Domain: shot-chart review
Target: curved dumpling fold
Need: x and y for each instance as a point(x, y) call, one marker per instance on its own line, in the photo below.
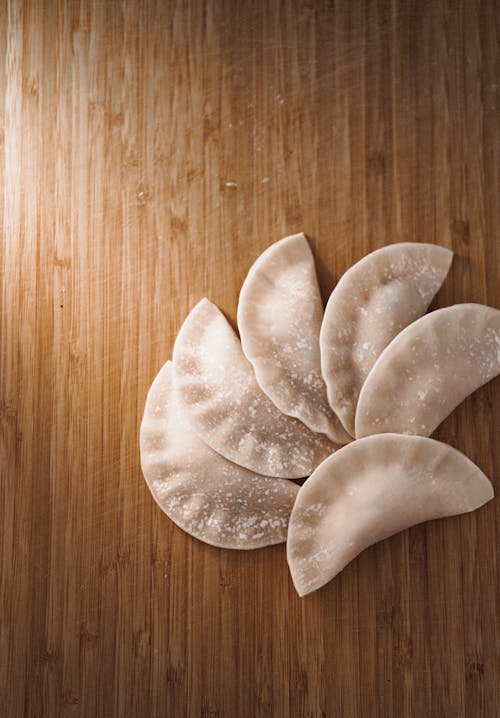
point(428, 369)
point(216, 386)
point(279, 320)
point(370, 490)
point(206, 495)
point(373, 301)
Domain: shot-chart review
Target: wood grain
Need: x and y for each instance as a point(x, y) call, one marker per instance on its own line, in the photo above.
point(149, 151)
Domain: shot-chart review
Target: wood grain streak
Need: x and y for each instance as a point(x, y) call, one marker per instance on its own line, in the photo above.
point(148, 152)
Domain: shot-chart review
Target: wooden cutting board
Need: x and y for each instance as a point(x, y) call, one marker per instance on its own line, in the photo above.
point(149, 152)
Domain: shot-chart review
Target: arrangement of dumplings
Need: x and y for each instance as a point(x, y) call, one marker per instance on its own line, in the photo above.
point(347, 397)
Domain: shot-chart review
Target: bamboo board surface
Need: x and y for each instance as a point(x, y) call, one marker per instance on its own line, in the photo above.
point(149, 151)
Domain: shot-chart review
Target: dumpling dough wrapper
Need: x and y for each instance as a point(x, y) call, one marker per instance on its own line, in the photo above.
point(206, 495)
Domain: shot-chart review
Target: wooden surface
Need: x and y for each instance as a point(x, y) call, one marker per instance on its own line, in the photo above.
point(149, 151)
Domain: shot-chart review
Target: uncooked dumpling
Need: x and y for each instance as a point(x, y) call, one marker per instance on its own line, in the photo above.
point(372, 489)
point(428, 369)
point(206, 495)
point(217, 387)
point(279, 319)
point(373, 301)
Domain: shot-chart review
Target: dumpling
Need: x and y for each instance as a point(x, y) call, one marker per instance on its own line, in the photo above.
point(279, 320)
point(217, 388)
point(428, 369)
point(368, 491)
point(372, 302)
point(204, 494)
